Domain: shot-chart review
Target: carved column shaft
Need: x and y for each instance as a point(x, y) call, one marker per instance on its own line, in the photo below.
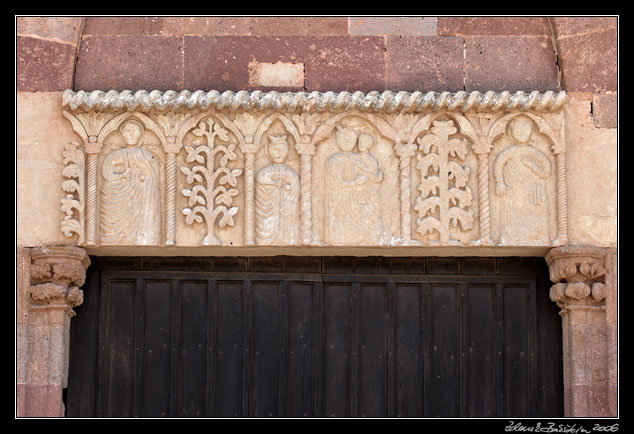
point(249, 194)
point(306, 151)
point(56, 273)
point(484, 200)
point(171, 200)
point(91, 199)
point(405, 152)
point(562, 200)
point(579, 290)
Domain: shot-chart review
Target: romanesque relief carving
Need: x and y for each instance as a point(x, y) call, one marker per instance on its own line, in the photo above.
point(298, 169)
point(524, 185)
point(130, 197)
point(214, 181)
point(353, 214)
point(277, 198)
point(444, 196)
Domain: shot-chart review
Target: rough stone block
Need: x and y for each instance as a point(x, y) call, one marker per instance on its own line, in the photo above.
point(330, 63)
point(398, 26)
point(424, 63)
point(503, 63)
point(605, 109)
point(566, 26)
point(130, 62)
point(39, 401)
point(591, 158)
point(589, 61)
point(166, 26)
point(535, 26)
point(63, 29)
point(276, 74)
point(43, 65)
point(299, 26)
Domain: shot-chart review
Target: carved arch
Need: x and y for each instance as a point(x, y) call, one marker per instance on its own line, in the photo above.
point(118, 120)
point(266, 123)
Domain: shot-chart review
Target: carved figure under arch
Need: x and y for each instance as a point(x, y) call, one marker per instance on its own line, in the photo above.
point(130, 205)
point(277, 198)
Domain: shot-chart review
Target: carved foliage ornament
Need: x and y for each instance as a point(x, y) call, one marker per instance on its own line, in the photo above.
point(292, 169)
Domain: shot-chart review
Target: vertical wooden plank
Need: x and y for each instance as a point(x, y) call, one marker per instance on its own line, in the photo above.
point(211, 347)
point(532, 350)
point(155, 397)
point(499, 351)
point(516, 390)
point(102, 367)
point(461, 313)
point(193, 349)
point(84, 350)
point(354, 349)
point(549, 342)
point(409, 350)
point(372, 390)
point(390, 319)
point(247, 348)
point(120, 347)
point(426, 326)
point(264, 382)
point(319, 345)
point(282, 353)
point(336, 381)
point(229, 349)
point(175, 326)
point(139, 303)
point(480, 381)
point(444, 369)
point(299, 367)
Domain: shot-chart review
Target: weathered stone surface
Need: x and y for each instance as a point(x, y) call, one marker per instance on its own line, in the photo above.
point(298, 26)
point(130, 62)
point(43, 65)
point(41, 132)
point(592, 176)
point(605, 109)
point(330, 63)
point(535, 26)
point(276, 74)
point(396, 26)
point(61, 29)
point(424, 63)
point(39, 401)
point(566, 26)
point(166, 26)
point(589, 61)
point(502, 63)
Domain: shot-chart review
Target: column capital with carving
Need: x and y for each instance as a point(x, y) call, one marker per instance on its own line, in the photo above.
point(578, 273)
point(56, 275)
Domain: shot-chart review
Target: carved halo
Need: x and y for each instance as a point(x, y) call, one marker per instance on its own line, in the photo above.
point(544, 129)
point(116, 122)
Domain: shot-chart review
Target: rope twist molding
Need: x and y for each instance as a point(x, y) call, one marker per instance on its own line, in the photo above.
point(375, 102)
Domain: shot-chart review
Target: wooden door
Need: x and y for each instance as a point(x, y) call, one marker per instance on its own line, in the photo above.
point(316, 337)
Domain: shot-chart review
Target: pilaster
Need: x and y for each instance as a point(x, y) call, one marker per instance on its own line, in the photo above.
point(48, 290)
point(579, 274)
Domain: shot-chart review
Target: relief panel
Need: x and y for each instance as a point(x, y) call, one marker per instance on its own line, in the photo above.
point(270, 169)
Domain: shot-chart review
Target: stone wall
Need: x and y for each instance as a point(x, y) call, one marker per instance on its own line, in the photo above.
point(575, 54)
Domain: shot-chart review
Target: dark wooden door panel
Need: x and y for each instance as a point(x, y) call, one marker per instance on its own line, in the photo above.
point(316, 337)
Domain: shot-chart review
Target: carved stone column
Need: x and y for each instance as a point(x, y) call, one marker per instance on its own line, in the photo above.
point(306, 152)
point(580, 291)
point(405, 153)
point(249, 150)
point(56, 273)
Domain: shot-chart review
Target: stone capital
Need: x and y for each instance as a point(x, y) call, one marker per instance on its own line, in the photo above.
point(578, 273)
point(56, 275)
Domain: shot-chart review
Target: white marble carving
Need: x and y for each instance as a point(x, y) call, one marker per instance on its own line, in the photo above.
point(130, 208)
point(277, 198)
point(347, 169)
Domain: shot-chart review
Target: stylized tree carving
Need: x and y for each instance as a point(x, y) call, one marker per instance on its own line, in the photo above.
point(214, 195)
point(443, 182)
point(73, 203)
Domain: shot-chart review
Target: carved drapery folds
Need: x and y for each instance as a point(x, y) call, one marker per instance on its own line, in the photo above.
point(311, 169)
